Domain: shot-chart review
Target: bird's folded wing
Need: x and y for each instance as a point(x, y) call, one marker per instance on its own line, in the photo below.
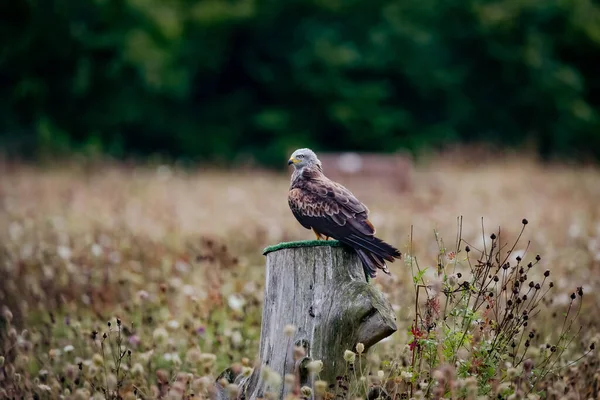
point(327, 205)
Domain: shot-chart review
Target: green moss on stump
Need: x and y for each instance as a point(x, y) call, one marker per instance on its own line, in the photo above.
point(301, 243)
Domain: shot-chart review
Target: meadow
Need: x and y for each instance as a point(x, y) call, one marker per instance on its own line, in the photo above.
point(146, 281)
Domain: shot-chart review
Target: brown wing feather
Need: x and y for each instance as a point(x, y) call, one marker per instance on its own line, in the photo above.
point(323, 198)
point(333, 211)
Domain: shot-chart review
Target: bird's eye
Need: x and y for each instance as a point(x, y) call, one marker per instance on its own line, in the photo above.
point(300, 156)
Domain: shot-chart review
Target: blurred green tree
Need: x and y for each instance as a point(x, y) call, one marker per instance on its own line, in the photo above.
point(220, 79)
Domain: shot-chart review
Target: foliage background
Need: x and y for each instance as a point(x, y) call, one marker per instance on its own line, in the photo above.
point(221, 79)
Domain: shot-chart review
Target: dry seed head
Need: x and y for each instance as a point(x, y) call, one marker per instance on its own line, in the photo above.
point(299, 352)
point(201, 384)
point(452, 279)
point(111, 381)
point(82, 394)
point(289, 330)
point(137, 370)
point(512, 373)
point(289, 379)
point(320, 387)
point(160, 335)
point(98, 360)
point(315, 366)
point(273, 379)
point(306, 391)
point(232, 390)
point(208, 359)
point(349, 356)
point(193, 356)
point(360, 348)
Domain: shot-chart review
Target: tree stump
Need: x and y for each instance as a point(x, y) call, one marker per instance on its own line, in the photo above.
point(320, 289)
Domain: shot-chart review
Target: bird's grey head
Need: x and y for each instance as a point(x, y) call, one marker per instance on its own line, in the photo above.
point(303, 158)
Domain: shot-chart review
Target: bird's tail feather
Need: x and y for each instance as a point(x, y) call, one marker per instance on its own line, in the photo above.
point(373, 252)
point(375, 245)
point(371, 262)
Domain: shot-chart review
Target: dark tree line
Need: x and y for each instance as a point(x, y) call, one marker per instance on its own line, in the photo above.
point(219, 78)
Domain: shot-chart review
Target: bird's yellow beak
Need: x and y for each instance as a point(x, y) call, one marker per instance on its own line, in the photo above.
point(293, 161)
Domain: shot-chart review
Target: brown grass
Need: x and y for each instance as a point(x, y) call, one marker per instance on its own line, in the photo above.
point(150, 245)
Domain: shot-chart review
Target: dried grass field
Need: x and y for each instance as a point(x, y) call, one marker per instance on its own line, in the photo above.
point(144, 282)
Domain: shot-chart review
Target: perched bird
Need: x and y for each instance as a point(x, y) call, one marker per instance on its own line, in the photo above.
point(332, 211)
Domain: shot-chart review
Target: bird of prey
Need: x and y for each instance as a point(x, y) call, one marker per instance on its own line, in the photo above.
point(332, 211)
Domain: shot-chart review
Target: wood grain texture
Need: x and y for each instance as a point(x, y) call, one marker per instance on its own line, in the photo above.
point(321, 291)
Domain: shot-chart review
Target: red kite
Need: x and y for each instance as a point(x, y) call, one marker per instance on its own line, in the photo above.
point(331, 210)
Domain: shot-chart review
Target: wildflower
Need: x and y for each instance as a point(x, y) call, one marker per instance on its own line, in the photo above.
point(93, 371)
point(438, 375)
point(114, 257)
point(289, 379)
point(137, 370)
point(98, 396)
point(162, 376)
point(289, 330)
point(160, 335)
point(64, 252)
point(111, 381)
point(134, 340)
point(452, 279)
point(98, 360)
point(360, 348)
point(82, 394)
point(45, 388)
point(232, 390)
point(315, 366)
point(306, 391)
point(96, 250)
point(200, 330)
point(208, 359)
point(193, 356)
point(299, 352)
point(236, 339)
point(7, 314)
point(320, 387)
point(417, 334)
point(236, 302)
point(406, 376)
point(503, 388)
point(349, 356)
point(272, 378)
point(68, 348)
point(173, 325)
point(53, 354)
point(172, 357)
point(380, 374)
point(189, 290)
point(512, 373)
point(201, 384)
point(436, 286)
point(145, 357)
point(142, 295)
point(528, 365)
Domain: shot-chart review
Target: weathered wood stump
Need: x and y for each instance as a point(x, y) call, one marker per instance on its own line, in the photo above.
point(319, 288)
